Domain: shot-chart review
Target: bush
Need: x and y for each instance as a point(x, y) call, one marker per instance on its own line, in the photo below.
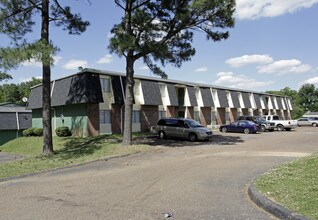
point(63, 131)
point(38, 131)
point(33, 132)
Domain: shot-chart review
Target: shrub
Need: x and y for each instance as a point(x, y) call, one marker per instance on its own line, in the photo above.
point(33, 132)
point(38, 132)
point(63, 131)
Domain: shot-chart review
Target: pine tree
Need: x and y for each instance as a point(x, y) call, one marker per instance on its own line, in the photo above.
point(162, 30)
point(16, 21)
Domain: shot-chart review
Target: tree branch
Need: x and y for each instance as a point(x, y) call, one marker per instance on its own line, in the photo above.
point(17, 11)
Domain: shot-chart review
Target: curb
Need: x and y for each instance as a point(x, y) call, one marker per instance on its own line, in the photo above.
point(272, 207)
point(64, 168)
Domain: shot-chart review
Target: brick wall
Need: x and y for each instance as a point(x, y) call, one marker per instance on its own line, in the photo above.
point(190, 112)
point(149, 116)
point(233, 114)
point(171, 112)
point(93, 119)
point(116, 119)
point(221, 116)
point(205, 116)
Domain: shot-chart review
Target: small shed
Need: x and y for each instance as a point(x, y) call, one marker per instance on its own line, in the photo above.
point(13, 120)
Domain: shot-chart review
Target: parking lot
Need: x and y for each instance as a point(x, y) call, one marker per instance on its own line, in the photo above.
point(200, 180)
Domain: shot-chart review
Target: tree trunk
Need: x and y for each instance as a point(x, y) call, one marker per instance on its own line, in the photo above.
point(129, 99)
point(46, 68)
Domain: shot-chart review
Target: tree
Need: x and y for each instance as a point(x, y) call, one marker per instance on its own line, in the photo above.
point(308, 97)
point(162, 30)
point(11, 92)
point(298, 110)
point(15, 92)
point(17, 18)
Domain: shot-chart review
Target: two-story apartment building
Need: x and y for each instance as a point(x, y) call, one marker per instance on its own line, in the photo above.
point(91, 102)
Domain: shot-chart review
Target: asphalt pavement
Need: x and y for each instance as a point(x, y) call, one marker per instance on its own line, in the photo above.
point(204, 180)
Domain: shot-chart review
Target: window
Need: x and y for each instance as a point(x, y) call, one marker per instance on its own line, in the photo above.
point(136, 117)
point(105, 83)
point(162, 114)
point(104, 117)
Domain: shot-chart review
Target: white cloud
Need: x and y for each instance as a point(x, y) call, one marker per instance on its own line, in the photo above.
point(144, 67)
point(29, 79)
point(74, 64)
point(239, 81)
point(57, 59)
point(254, 9)
point(34, 63)
point(285, 66)
point(105, 59)
point(249, 59)
point(313, 80)
point(201, 69)
point(110, 35)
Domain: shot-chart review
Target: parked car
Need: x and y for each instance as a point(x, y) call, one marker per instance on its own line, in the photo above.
point(263, 124)
point(280, 124)
point(310, 121)
point(240, 126)
point(182, 128)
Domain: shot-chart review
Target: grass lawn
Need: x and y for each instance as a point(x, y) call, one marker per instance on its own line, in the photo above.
point(67, 151)
point(294, 185)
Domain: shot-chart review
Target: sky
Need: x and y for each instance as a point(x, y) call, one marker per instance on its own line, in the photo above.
point(273, 45)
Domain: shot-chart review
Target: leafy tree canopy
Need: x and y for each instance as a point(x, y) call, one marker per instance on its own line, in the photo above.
point(163, 30)
point(17, 18)
point(308, 97)
point(15, 92)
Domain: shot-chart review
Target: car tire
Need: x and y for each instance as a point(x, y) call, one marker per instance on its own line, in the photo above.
point(192, 137)
point(288, 129)
point(280, 128)
point(314, 124)
point(162, 135)
point(246, 130)
point(224, 130)
point(263, 128)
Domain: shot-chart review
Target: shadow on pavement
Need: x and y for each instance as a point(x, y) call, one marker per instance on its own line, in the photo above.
point(173, 142)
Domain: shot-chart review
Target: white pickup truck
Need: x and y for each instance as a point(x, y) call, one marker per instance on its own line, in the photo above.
point(281, 125)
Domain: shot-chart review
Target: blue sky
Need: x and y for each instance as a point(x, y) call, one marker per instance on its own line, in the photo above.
point(272, 46)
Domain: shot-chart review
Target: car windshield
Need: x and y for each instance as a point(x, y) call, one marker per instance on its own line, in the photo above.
point(193, 124)
point(249, 122)
point(260, 119)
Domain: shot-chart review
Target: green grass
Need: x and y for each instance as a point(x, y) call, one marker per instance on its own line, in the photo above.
point(294, 185)
point(67, 151)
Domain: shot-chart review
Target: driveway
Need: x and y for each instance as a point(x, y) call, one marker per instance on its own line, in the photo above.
point(205, 180)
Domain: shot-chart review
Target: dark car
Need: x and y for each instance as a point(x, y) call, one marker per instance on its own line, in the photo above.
point(263, 124)
point(240, 126)
point(182, 128)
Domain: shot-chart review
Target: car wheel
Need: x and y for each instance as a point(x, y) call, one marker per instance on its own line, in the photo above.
point(162, 135)
point(224, 130)
point(263, 128)
point(314, 124)
point(280, 127)
point(192, 137)
point(246, 130)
